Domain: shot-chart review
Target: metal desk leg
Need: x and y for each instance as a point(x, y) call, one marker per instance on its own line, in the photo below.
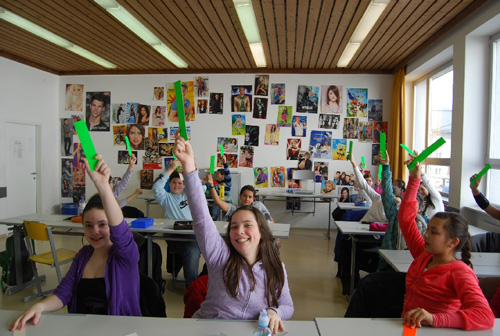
point(149, 241)
point(147, 208)
point(353, 265)
point(329, 218)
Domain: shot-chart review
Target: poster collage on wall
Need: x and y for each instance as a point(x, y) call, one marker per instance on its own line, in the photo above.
point(146, 125)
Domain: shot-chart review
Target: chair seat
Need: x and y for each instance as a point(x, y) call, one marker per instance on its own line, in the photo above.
point(47, 258)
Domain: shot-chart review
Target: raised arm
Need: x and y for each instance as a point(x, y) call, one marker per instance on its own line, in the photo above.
point(408, 212)
point(221, 204)
point(100, 177)
point(126, 177)
point(481, 200)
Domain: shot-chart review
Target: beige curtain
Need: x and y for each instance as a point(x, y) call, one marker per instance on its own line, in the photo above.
point(397, 126)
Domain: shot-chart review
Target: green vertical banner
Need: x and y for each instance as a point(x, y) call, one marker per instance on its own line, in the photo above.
point(382, 145)
point(212, 164)
point(87, 144)
point(179, 99)
point(128, 146)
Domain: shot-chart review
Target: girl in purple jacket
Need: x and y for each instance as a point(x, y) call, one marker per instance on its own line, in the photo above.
point(104, 276)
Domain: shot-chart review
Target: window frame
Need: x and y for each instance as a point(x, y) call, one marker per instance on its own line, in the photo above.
point(495, 163)
point(427, 78)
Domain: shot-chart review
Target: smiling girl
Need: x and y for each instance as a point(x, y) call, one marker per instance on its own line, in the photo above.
point(103, 278)
point(245, 271)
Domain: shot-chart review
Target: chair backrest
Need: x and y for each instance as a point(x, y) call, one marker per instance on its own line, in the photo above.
point(36, 231)
point(303, 175)
point(151, 298)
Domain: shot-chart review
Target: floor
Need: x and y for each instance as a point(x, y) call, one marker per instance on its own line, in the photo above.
point(307, 254)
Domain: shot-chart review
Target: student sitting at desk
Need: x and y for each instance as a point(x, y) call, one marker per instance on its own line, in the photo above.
point(245, 271)
point(441, 291)
point(103, 278)
point(174, 205)
point(223, 177)
point(488, 242)
point(376, 212)
point(118, 188)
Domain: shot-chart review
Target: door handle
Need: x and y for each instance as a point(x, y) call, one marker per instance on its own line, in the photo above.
point(34, 173)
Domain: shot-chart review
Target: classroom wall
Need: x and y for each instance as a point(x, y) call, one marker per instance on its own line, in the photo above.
point(30, 96)
point(467, 47)
point(206, 128)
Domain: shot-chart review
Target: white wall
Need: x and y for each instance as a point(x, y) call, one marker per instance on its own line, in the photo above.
point(30, 96)
point(467, 46)
point(206, 128)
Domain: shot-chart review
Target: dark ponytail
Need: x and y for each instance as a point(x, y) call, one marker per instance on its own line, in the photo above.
point(456, 227)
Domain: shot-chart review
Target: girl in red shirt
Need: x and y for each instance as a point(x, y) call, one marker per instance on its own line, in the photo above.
point(441, 291)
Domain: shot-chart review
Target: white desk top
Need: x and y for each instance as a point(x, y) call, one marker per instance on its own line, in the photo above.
point(356, 228)
point(164, 226)
point(485, 264)
point(388, 327)
point(83, 325)
point(283, 193)
point(351, 206)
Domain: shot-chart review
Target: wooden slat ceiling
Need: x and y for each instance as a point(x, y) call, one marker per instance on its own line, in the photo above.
point(299, 36)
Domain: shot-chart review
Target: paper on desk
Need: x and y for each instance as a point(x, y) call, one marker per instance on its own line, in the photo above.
point(408, 331)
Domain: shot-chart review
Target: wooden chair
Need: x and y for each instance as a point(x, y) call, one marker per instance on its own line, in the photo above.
point(54, 258)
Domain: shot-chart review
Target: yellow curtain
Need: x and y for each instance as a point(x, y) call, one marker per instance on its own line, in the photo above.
point(397, 126)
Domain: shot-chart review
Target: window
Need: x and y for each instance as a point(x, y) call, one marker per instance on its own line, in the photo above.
point(433, 97)
point(494, 133)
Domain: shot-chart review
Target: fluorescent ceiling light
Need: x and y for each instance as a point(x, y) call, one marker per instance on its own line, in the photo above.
point(370, 16)
point(246, 15)
point(134, 25)
point(347, 55)
point(258, 54)
point(51, 37)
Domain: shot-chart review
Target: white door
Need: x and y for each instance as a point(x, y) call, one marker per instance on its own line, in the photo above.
point(21, 169)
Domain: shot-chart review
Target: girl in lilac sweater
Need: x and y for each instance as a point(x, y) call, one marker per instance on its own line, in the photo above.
point(245, 271)
point(105, 271)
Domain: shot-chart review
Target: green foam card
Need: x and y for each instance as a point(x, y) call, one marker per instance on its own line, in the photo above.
point(363, 162)
point(212, 164)
point(406, 149)
point(480, 174)
point(350, 150)
point(87, 144)
point(180, 109)
point(382, 145)
point(128, 146)
point(221, 150)
point(380, 171)
point(426, 152)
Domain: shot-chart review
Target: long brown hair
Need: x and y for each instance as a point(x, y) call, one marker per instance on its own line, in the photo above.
point(457, 227)
point(270, 258)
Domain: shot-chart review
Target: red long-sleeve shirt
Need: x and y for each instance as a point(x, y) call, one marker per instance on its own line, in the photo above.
point(450, 292)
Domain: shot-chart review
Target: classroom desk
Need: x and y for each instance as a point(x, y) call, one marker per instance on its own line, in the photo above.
point(355, 229)
point(304, 197)
point(51, 324)
point(351, 206)
point(64, 226)
point(388, 327)
point(485, 264)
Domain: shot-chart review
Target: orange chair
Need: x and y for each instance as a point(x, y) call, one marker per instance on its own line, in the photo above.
point(54, 258)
